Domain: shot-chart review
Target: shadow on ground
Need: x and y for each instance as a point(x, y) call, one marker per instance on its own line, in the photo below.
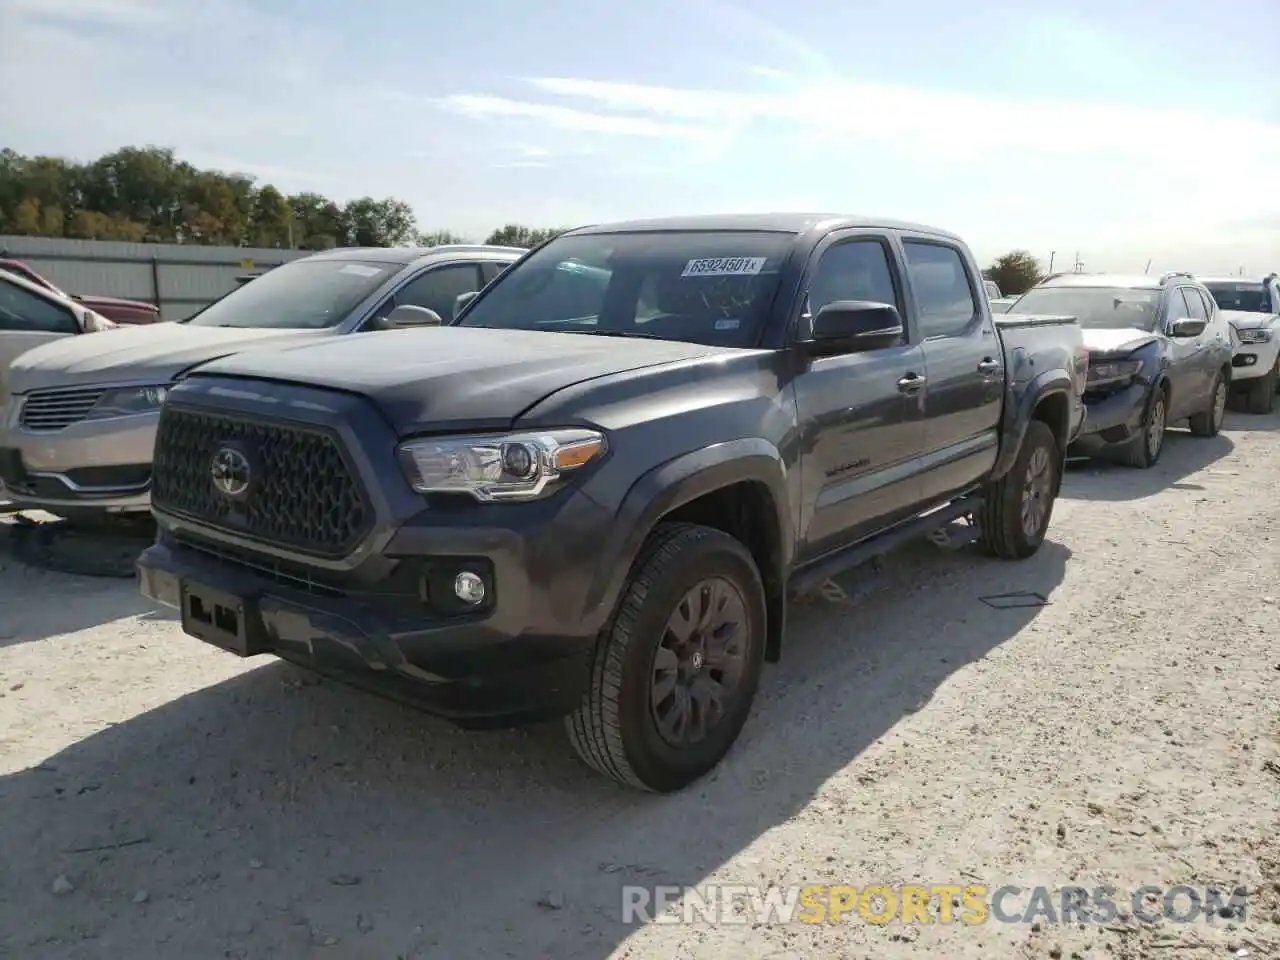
point(1183, 455)
point(271, 815)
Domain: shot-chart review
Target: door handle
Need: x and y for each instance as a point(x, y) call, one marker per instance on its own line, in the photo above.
point(910, 383)
point(988, 367)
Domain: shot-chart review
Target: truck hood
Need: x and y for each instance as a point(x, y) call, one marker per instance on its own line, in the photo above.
point(1247, 320)
point(153, 352)
point(1117, 341)
point(462, 377)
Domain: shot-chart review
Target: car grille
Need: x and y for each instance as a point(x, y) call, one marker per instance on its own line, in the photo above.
point(304, 494)
point(58, 409)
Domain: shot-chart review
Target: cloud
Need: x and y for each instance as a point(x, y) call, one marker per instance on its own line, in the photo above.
point(105, 12)
point(563, 118)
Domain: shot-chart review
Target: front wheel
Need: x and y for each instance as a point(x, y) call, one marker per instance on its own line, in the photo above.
point(1262, 391)
point(1209, 423)
point(1014, 515)
point(1144, 449)
point(674, 674)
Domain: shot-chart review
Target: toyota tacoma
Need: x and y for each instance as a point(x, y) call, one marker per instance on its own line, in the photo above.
point(593, 494)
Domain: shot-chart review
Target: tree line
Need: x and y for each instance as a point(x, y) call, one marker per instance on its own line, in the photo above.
point(148, 194)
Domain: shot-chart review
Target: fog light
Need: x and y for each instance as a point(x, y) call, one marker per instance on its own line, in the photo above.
point(468, 587)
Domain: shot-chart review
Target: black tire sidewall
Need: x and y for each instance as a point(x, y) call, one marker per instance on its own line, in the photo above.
point(1036, 438)
point(657, 763)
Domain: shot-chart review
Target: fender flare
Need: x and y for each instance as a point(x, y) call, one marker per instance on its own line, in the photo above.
point(674, 483)
point(1020, 413)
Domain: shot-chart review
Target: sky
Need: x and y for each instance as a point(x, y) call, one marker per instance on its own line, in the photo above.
point(1122, 132)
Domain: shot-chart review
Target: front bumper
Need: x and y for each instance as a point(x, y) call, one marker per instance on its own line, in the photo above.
point(476, 671)
point(1113, 418)
point(1252, 360)
point(92, 464)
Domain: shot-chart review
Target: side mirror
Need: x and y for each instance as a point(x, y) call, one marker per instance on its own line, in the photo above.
point(1187, 327)
point(852, 326)
point(408, 315)
point(461, 300)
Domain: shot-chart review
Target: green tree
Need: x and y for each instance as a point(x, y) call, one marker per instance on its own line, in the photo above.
point(1016, 272)
point(317, 222)
point(379, 223)
point(271, 219)
point(518, 235)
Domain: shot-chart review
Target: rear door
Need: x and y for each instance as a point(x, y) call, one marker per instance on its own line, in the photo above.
point(859, 413)
point(964, 364)
point(28, 319)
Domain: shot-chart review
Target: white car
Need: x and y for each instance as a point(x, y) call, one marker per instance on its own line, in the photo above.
point(31, 315)
point(1252, 308)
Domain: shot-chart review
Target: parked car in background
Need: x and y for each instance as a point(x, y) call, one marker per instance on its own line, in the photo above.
point(31, 315)
point(592, 495)
point(1252, 307)
point(1159, 352)
point(1003, 304)
point(992, 289)
point(78, 435)
point(113, 308)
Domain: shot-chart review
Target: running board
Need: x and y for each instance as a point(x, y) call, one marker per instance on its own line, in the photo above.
point(811, 578)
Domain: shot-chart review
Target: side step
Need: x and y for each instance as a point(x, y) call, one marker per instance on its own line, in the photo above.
point(931, 526)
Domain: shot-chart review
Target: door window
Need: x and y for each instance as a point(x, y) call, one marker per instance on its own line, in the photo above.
point(1178, 309)
point(943, 288)
point(490, 269)
point(439, 288)
point(23, 310)
point(853, 270)
point(1195, 304)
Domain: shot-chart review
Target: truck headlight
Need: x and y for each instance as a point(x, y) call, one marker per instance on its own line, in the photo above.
point(128, 401)
point(1113, 371)
point(1259, 335)
point(516, 466)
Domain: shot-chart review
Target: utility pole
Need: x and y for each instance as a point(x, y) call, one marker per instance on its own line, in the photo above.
point(1147, 268)
point(1052, 254)
point(1079, 264)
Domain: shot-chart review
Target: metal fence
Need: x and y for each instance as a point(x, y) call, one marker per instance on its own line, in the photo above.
point(178, 278)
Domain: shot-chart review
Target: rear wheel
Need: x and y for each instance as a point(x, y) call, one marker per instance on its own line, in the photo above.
point(1262, 391)
point(1144, 450)
point(1208, 423)
point(1015, 511)
point(674, 674)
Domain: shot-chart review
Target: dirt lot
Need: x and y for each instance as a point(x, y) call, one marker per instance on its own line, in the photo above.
point(163, 800)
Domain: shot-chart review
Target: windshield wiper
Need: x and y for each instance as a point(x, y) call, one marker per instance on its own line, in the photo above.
point(614, 333)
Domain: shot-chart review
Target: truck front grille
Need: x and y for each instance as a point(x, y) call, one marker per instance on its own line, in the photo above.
point(303, 494)
point(51, 410)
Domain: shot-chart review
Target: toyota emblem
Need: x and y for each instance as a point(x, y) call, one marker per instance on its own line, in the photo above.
point(230, 472)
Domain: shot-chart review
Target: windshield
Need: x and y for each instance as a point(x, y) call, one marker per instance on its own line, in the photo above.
point(710, 288)
point(302, 295)
point(1248, 297)
point(1107, 308)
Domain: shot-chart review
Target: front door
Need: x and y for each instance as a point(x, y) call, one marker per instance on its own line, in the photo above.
point(27, 320)
point(859, 413)
point(1187, 380)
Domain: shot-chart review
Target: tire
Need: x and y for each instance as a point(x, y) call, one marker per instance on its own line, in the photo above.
point(1144, 450)
point(1008, 530)
point(616, 728)
point(1209, 423)
point(1262, 391)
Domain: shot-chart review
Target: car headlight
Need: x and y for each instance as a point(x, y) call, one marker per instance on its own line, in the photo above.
point(1114, 371)
point(128, 401)
point(516, 466)
point(1260, 335)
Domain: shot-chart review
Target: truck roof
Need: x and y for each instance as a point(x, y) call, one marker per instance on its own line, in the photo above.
point(795, 223)
point(408, 254)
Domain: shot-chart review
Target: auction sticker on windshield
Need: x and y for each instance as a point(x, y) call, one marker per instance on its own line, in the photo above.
point(724, 267)
point(360, 270)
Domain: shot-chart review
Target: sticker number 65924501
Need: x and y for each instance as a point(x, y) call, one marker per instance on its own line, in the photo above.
point(724, 267)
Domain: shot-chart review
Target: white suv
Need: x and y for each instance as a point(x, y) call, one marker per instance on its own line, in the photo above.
point(1252, 307)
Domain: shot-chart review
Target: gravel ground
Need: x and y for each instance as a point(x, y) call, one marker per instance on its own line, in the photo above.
point(163, 800)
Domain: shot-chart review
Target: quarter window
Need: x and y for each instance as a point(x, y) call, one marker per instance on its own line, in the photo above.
point(943, 288)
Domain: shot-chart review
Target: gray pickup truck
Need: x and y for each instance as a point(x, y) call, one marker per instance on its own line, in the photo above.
point(593, 494)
